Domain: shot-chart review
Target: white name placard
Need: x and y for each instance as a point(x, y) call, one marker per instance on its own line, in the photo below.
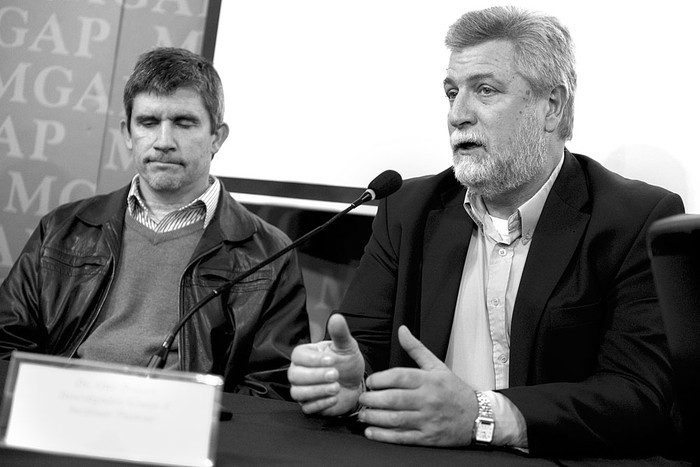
point(92, 409)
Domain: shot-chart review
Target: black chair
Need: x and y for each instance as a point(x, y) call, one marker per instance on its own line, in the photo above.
point(674, 249)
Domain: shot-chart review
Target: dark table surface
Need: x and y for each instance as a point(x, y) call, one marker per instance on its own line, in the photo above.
point(268, 433)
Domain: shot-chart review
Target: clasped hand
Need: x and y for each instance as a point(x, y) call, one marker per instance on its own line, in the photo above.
point(428, 405)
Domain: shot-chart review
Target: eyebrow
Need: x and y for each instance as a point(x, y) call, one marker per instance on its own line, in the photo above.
point(187, 116)
point(178, 116)
point(475, 77)
point(143, 117)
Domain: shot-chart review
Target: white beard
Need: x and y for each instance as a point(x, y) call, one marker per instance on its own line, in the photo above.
point(507, 166)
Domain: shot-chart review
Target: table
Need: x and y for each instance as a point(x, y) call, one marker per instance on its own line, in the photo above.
point(265, 432)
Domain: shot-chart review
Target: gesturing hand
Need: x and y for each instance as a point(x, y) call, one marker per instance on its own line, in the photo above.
point(428, 405)
point(326, 377)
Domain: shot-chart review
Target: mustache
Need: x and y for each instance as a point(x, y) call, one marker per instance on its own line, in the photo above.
point(464, 139)
point(162, 157)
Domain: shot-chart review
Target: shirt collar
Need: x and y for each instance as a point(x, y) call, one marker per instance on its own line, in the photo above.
point(523, 221)
point(209, 199)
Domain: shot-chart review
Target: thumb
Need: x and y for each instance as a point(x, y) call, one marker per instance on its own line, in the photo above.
point(342, 340)
point(420, 354)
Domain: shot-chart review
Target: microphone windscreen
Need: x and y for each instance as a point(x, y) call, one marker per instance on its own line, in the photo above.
point(385, 184)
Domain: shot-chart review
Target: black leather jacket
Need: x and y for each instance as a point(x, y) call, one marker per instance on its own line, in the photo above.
point(55, 291)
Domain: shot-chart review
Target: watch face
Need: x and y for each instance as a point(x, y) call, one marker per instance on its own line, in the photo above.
point(484, 431)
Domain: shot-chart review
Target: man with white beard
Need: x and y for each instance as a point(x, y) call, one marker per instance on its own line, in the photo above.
point(507, 301)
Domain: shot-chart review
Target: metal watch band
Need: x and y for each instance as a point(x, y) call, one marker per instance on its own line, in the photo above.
point(484, 425)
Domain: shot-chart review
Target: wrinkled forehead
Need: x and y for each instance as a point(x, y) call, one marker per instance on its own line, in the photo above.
point(180, 102)
point(495, 57)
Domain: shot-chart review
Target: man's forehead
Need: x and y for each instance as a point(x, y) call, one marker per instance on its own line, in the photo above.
point(498, 53)
point(183, 98)
point(495, 59)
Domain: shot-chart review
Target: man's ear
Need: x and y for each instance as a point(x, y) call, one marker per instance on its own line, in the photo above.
point(555, 108)
point(219, 137)
point(126, 134)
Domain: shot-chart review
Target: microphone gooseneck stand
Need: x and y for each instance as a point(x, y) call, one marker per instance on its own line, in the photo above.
point(382, 186)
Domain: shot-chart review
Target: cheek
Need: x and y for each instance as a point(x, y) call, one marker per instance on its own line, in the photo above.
point(201, 142)
point(141, 141)
point(199, 151)
point(503, 127)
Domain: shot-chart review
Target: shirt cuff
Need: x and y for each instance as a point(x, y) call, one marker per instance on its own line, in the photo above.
point(511, 429)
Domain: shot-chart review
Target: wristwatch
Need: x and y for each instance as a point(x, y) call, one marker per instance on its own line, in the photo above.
point(484, 425)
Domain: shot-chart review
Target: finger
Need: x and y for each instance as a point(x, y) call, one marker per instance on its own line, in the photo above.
point(304, 376)
point(395, 378)
point(311, 355)
point(342, 340)
point(314, 393)
point(396, 419)
point(420, 354)
point(391, 399)
point(388, 435)
point(319, 406)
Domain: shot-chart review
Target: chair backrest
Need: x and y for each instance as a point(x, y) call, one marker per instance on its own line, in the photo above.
point(674, 249)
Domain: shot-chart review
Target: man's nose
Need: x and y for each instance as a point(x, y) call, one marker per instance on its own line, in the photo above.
point(164, 138)
point(461, 111)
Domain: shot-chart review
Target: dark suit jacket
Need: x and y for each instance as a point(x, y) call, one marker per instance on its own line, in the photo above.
point(589, 366)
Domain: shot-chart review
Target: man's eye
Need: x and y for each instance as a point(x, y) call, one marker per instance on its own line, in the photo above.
point(487, 91)
point(184, 123)
point(451, 94)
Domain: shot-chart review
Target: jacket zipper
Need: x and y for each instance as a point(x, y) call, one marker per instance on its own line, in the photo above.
point(182, 349)
point(112, 272)
point(97, 313)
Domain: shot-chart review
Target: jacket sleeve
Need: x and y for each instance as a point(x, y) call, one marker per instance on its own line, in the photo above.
point(21, 327)
point(623, 406)
point(369, 303)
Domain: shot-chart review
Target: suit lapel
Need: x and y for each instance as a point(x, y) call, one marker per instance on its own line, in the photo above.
point(447, 233)
point(554, 242)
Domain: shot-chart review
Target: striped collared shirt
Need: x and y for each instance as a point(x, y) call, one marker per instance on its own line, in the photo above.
point(202, 208)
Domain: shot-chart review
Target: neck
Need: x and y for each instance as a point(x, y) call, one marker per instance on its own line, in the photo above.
point(501, 209)
point(159, 211)
point(505, 204)
point(160, 204)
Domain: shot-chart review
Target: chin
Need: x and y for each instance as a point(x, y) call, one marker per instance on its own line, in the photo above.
point(164, 184)
point(479, 183)
point(467, 172)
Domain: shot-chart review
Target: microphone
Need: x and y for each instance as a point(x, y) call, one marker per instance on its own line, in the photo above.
point(382, 186)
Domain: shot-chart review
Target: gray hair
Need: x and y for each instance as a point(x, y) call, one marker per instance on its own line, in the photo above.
point(544, 51)
point(164, 70)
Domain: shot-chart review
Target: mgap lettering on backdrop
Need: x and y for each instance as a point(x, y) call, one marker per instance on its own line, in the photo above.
point(64, 65)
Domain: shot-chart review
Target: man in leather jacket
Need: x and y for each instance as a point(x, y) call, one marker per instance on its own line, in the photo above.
point(108, 277)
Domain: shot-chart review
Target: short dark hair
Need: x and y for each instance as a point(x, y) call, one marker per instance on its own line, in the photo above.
point(544, 50)
point(164, 70)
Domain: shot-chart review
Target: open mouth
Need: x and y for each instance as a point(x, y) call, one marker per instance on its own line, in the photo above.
point(467, 146)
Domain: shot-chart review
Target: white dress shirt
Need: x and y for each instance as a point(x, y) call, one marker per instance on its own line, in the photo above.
point(479, 347)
